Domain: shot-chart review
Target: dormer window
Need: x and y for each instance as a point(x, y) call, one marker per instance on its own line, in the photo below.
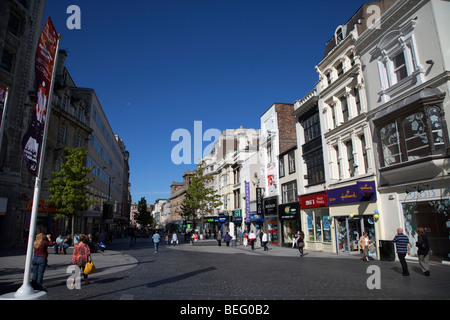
point(339, 34)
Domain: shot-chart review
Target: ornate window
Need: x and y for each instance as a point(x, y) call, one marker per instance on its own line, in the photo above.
point(398, 63)
point(412, 132)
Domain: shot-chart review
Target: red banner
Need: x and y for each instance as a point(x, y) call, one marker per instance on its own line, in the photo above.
point(44, 64)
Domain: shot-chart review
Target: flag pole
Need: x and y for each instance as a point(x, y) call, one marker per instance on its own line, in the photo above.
point(26, 291)
point(2, 128)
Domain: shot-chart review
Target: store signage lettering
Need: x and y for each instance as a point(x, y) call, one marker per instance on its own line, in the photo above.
point(313, 201)
point(359, 192)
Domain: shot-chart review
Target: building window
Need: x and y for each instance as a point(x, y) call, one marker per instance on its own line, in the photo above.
point(357, 100)
point(400, 70)
point(289, 192)
point(407, 137)
point(291, 160)
point(337, 162)
point(282, 167)
point(62, 133)
point(7, 60)
point(329, 78)
point(340, 69)
point(14, 24)
point(350, 158)
point(314, 167)
point(362, 140)
point(311, 127)
point(398, 65)
point(344, 108)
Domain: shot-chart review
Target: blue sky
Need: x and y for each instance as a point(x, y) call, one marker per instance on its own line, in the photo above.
point(159, 65)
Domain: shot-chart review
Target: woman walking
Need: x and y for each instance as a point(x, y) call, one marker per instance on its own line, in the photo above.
point(40, 246)
point(364, 242)
point(81, 255)
point(423, 251)
point(301, 243)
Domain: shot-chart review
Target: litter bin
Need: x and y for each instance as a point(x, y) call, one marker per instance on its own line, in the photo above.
point(387, 250)
point(233, 242)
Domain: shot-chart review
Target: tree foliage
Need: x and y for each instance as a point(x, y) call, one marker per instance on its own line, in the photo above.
point(68, 187)
point(143, 216)
point(200, 197)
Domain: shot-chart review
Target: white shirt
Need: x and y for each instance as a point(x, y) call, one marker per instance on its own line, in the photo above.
point(264, 237)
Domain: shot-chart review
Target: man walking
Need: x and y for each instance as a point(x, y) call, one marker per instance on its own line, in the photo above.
point(156, 239)
point(252, 238)
point(403, 247)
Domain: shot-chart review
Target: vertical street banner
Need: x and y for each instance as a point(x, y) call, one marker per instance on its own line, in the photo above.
point(3, 96)
point(3, 102)
point(44, 64)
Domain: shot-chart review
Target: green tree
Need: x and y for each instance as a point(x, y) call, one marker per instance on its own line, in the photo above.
point(200, 199)
point(68, 187)
point(143, 216)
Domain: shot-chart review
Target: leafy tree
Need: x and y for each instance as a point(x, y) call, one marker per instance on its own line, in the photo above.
point(200, 199)
point(143, 216)
point(68, 188)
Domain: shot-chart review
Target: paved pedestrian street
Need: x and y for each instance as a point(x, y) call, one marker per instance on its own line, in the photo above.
point(208, 272)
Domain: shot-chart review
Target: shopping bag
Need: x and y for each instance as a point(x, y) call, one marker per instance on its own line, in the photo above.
point(89, 268)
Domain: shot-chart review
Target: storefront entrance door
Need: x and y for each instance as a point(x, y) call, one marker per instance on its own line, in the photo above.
point(349, 230)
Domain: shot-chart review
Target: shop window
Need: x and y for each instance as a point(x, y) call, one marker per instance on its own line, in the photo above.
point(432, 216)
point(318, 226)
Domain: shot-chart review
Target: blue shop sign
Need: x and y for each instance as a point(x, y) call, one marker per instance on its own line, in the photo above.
point(359, 192)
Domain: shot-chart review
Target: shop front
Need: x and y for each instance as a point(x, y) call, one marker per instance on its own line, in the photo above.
point(271, 220)
point(314, 210)
point(427, 206)
point(353, 210)
point(289, 215)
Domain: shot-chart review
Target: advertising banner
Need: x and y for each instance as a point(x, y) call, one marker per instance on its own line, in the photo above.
point(44, 64)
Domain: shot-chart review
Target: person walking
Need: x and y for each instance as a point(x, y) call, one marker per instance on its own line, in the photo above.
point(245, 235)
point(423, 251)
point(403, 247)
point(219, 238)
point(364, 242)
point(252, 237)
point(80, 256)
point(174, 238)
point(301, 243)
point(264, 240)
point(240, 236)
point(156, 239)
point(227, 239)
point(40, 245)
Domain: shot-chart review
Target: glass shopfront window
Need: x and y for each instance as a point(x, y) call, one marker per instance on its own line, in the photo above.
point(318, 225)
point(432, 216)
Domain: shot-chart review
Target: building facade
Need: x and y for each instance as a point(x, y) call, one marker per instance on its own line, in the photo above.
point(406, 70)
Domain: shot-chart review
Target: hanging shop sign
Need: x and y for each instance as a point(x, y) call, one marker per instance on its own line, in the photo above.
point(359, 192)
point(288, 211)
point(270, 206)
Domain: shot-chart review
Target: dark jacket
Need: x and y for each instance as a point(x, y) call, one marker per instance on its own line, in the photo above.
point(423, 244)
